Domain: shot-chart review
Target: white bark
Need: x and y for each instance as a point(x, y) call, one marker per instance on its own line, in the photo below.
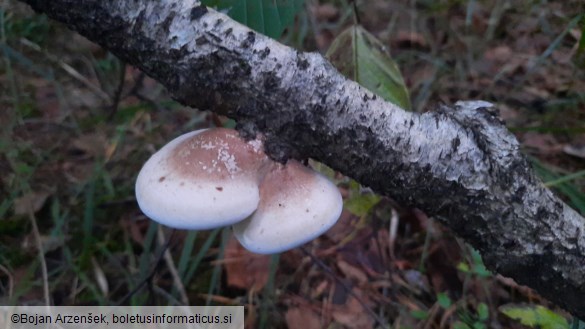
point(458, 164)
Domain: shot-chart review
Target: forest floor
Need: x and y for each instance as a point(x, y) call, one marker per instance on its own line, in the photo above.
point(77, 125)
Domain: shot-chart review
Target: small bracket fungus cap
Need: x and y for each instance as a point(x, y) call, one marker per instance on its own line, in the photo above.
point(297, 205)
point(201, 180)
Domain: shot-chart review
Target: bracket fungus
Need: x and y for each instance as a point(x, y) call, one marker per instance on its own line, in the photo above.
point(212, 178)
point(201, 180)
point(297, 205)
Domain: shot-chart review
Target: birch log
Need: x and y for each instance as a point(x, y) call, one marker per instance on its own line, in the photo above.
point(458, 164)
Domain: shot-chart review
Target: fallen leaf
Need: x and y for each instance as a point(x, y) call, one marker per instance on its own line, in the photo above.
point(30, 202)
point(48, 243)
point(323, 39)
point(343, 227)
point(499, 54)
point(136, 229)
point(352, 313)
point(325, 12)
point(93, 144)
point(47, 100)
point(352, 272)
point(543, 143)
point(410, 39)
point(302, 317)
point(244, 269)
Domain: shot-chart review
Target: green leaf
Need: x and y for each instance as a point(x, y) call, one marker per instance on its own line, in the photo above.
point(269, 17)
point(463, 267)
point(359, 56)
point(460, 325)
point(479, 325)
point(360, 205)
point(478, 266)
point(419, 314)
point(535, 316)
point(443, 300)
point(483, 312)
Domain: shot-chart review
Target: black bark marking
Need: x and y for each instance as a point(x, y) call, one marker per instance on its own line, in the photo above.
point(302, 63)
point(167, 22)
point(249, 41)
point(201, 41)
point(455, 144)
point(198, 12)
point(264, 53)
point(271, 82)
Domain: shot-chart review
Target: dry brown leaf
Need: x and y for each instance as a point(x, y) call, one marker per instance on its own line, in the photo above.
point(323, 39)
point(343, 227)
point(244, 269)
point(46, 100)
point(508, 114)
point(82, 98)
point(352, 272)
point(420, 75)
point(302, 317)
point(136, 229)
point(49, 243)
point(352, 314)
point(319, 289)
point(411, 39)
point(33, 293)
point(93, 144)
point(30, 202)
point(325, 12)
point(544, 143)
point(499, 54)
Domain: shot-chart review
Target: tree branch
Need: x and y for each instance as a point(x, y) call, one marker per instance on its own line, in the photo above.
point(459, 164)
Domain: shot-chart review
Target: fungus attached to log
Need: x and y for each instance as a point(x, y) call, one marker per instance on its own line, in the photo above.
point(213, 178)
point(201, 180)
point(297, 205)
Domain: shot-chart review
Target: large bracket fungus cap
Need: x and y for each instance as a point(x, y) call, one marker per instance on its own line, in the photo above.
point(202, 180)
point(297, 205)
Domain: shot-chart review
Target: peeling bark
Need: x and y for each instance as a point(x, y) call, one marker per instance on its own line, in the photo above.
point(459, 164)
